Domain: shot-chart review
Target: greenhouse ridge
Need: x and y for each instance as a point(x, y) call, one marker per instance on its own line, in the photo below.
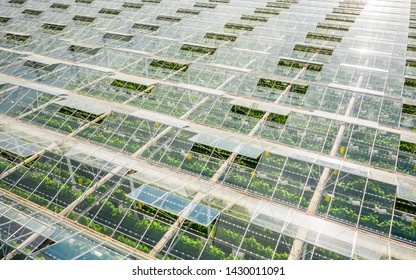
point(213, 129)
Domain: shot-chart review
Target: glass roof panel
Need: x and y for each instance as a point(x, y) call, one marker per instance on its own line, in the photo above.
point(147, 194)
point(202, 214)
point(70, 248)
point(84, 105)
point(26, 221)
point(172, 203)
point(175, 204)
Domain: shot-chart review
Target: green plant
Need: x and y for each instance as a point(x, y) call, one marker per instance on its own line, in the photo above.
point(410, 82)
point(252, 245)
point(230, 236)
point(212, 252)
point(403, 230)
point(239, 26)
point(269, 11)
point(188, 11)
point(281, 119)
point(274, 84)
point(168, 65)
point(205, 5)
point(324, 37)
point(408, 147)
point(254, 18)
point(409, 109)
point(77, 113)
point(129, 85)
point(198, 49)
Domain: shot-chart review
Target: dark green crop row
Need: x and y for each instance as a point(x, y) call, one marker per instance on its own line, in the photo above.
point(201, 166)
point(56, 27)
point(109, 11)
point(32, 12)
point(410, 63)
point(324, 37)
point(188, 11)
point(340, 18)
point(254, 18)
point(83, 18)
point(5, 19)
point(169, 18)
point(272, 84)
point(168, 65)
point(12, 157)
point(119, 37)
point(278, 5)
point(249, 244)
point(5, 165)
point(205, 5)
point(268, 11)
point(129, 85)
point(239, 26)
point(82, 49)
point(343, 11)
point(132, 5)
point(322, 254)
point(59, 6)
point(258, 114)
point(301, 89)
point(408, 147)
point(219, 1)
point(145, 26)
point(311, 49)
point(47, 184)
point(352, 4)
point(281, 119)
point(211, 151)
point(84, 1)
point(411, 48)
point(198, 49)
point(300, 64)
point(16, 37)
point(333, 26)
point(409, 109)
point(190, 248)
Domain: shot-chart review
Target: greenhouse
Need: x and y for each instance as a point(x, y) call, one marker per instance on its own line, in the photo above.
point(210, 129)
